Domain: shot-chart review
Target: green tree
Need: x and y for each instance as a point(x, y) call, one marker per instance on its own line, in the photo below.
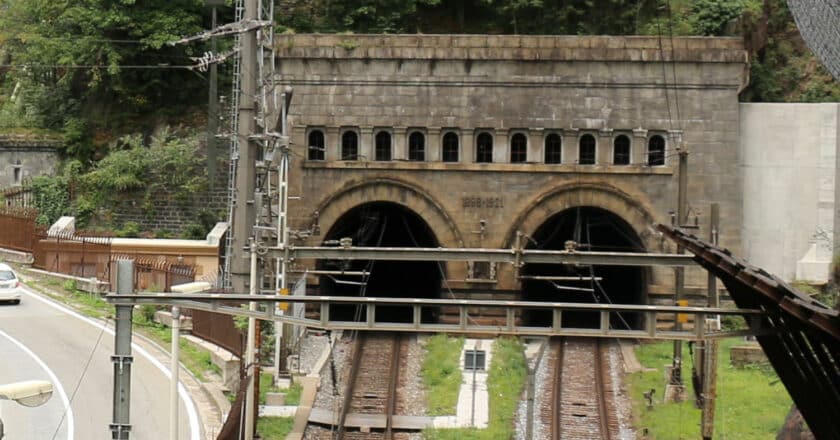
point(93, 64)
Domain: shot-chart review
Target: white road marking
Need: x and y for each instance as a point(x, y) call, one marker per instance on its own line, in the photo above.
point(192, 414)
point(53, 379)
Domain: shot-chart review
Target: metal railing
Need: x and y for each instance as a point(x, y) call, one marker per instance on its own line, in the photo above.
point(467, 310)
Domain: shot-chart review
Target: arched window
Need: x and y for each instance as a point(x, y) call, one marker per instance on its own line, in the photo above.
point(586, 152)
point(484, 148)
point(349, 146)
point(416, 147)
point(553, 148)
point(383, 146)
point(450, 147)
point(316, 145)
point(621, 150)
point(518, 148)
point(656, 151)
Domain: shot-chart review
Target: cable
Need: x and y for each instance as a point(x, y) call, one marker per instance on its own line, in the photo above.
point(674, 66)
point(664, 72)
point(93, 66)
point(79, 382)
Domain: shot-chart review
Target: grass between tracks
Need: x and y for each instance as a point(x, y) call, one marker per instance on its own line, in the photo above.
point(752, 403)
point(442, 374)
point(274, 428)
point(506, 377)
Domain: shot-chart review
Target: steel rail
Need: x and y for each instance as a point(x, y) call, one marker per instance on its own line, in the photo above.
point(355, 363)
point(391, 405)
point(599, 392)
point(557, 391)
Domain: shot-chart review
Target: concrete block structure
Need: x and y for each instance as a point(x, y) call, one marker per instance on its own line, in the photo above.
point(24, 157)
point(789, 169)
point(467, 139)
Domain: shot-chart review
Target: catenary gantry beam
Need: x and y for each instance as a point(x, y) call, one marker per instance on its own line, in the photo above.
point(804, 342)
point(523, 256)
point(466, 311)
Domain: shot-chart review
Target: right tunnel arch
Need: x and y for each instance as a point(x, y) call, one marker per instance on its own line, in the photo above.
point(598, 217)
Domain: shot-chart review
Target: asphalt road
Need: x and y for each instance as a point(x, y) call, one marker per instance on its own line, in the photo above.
point(40, 339)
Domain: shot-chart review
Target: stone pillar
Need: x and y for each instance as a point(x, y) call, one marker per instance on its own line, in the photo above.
point(299, 140)
point(570, 145)
point(366, 143)
point(467, 145)
point(332, 143)
point(536, 144)
point(400, 144)
point(638, 147)
point(604, 150)
point(433, 144)
point(501, 146)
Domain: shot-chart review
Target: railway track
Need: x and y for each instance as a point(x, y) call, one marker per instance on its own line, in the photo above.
point(580, 405)
point(372, 385)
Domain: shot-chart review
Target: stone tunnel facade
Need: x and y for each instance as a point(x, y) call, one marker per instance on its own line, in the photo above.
point(484, 136)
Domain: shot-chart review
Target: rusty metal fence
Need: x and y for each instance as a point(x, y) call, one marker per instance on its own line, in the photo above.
point(217, 328)
point(18, 196)
point(154, 274)
point(84, 257)
point(18, 230)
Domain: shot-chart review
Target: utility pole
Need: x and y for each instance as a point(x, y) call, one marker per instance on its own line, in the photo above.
point(244, 212)
point(710, 354)
point(122, 358)
point(213, 100)
point(173, 371)
point(674, 389)
point(249, 349)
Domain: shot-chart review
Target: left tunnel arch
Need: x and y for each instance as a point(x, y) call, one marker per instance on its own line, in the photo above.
point(382, 224)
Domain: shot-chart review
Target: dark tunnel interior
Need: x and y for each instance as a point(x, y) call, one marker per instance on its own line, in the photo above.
point(597, 230)
point(382, 224)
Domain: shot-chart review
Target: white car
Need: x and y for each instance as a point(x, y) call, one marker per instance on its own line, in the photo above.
point(9, 285)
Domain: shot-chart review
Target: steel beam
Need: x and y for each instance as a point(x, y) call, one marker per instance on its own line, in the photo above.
point(210, 302)
point(490, 255)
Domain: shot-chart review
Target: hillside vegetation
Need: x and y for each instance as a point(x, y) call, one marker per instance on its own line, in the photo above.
point(94, 71)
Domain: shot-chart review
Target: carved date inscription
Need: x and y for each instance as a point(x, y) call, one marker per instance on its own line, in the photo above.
point(483, 202)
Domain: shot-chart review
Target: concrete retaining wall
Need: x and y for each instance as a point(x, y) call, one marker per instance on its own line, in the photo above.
point(789, 167)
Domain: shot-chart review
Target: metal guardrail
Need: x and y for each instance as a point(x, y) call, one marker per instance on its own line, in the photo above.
point(465, 308)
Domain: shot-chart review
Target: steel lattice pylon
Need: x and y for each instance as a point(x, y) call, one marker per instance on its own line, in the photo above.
point(819, 23)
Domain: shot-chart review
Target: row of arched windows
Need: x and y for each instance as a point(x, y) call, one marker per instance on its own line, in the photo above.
point(450, 148)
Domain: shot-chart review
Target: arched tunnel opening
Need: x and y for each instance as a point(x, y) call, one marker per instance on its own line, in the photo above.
point(592, 229)
point(382, 224)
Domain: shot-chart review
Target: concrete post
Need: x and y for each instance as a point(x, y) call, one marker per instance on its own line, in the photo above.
point(249, 351)
point(212, 110)
point(122, 358)
point(707, 421)
point(173, 370)
point(244, 212)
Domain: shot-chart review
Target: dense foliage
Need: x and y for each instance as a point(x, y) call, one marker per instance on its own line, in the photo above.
point(170, 166)
point(93, 70)
point(91, 66)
